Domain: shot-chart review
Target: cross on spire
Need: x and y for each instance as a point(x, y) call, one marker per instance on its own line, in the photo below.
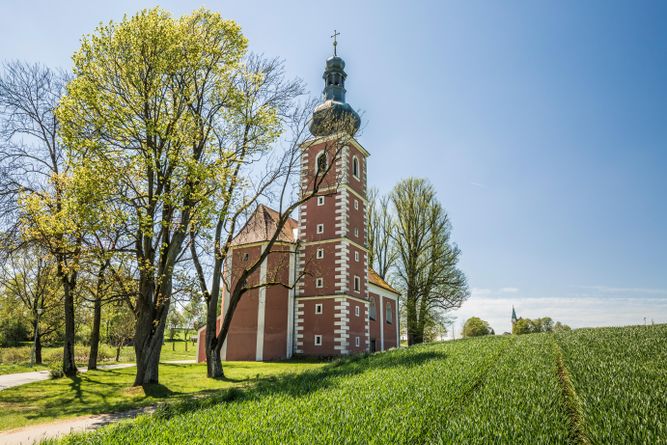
point(335, 34)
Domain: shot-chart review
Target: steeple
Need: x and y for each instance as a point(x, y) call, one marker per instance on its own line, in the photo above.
point(334, 114)
point(514, 319)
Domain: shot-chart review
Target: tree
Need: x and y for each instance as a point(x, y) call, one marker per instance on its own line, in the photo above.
point(544, 324)
point(426, 268)
point(132, 122)
point(381, 225)
point(476, 327)
point(120, 326)
point(28, 282)
point(34, 177)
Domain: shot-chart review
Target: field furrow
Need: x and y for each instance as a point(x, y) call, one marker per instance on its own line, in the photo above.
point(620, 376)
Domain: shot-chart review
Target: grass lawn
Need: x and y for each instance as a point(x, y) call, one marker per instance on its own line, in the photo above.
point(106, 391)
point(17, 359)
point(598, 386)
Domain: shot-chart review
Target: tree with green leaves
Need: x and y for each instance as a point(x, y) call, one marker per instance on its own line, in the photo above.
point(132, 120)
point(427, 265)
point(476, 327)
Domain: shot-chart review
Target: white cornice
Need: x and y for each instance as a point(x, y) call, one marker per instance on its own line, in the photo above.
point(343, 137)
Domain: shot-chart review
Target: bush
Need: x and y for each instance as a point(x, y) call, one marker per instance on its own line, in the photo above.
point(56, 369)
point(13, 331)
point(476, 327)
point(15, 355)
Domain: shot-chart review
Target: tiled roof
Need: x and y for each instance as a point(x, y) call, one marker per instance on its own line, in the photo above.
point(262, 225)
point(377, 280)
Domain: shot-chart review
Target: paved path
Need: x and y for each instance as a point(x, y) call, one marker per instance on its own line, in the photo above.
point(23, 378)
point(31, 434)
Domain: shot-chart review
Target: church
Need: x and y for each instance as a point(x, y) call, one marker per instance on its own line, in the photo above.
point(320, 296)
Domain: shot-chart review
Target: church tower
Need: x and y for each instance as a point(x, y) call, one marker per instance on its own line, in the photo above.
point(332, 304)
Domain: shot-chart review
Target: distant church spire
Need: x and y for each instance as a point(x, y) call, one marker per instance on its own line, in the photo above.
point(514, 318)
point(334, 114)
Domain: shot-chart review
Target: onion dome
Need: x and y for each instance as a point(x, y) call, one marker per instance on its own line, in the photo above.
point(334, 115)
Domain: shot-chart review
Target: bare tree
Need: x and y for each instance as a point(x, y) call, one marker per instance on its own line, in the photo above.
point(382, 253)
point(426, 270)
point(32, 164)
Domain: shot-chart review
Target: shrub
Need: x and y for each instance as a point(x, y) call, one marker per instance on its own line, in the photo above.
point(56, 369)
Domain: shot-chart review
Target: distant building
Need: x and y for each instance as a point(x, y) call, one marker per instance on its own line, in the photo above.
point(514, 317)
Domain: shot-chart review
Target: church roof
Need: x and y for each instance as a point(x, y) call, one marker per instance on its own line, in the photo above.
point(262, 225)
point(377, 280)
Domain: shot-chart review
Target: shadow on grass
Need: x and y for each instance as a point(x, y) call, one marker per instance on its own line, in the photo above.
point(297, 384)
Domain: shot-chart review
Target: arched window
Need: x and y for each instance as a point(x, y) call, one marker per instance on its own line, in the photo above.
point(355, 167)
point(321, 162)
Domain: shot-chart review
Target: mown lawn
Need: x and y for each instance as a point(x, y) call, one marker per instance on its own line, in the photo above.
point(17, 359)
point(110, 390)
point(595, 386)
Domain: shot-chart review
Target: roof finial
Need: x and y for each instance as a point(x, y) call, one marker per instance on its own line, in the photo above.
point(335, 34)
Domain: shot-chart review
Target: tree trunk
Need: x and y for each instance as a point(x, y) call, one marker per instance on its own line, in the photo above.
point(95, 334)
point(212, 345)
point(38, 348)
point(411, 316)
point(118, 348)
point(214, 361)
point(149, 332)
point(69, 365)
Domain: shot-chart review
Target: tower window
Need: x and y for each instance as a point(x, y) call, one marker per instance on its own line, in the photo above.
point(321, 162)
point(320, 254)
point(356, 256)
point(356, 204)
point(318, 340)
point(318, 308)
point(355, 167)
point(389, 314)
point(245, 257)
point(319, 283)
point(320, 228)
point(356, 341)
point(357, 284)
point(320, 200)
point(356, 231)
point(356, 311)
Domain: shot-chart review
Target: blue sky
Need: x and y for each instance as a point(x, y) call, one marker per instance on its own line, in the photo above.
point(543, 126)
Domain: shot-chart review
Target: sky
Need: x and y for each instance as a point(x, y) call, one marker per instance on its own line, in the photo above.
point(542, 125)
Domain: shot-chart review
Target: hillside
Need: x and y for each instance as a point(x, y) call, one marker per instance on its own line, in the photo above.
point(600, 386)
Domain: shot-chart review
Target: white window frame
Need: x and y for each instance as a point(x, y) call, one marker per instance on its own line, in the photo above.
point(319, 282)
point(356, 204)
point(357, 341)
point(319, 229)
point(356, 311)
point(388, 311)
point(319, 254)
point(317, 161)
point(320, 200)
point(357, 284)
point(317, 340)
point(319, 308)
point(356, 256)
point(356, 231)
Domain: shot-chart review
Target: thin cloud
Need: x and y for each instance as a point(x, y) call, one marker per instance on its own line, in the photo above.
point(509, 290)
point(478, 184)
